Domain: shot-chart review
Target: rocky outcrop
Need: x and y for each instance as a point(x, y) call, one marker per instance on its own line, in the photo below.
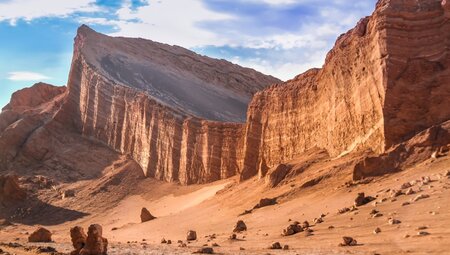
point(407, 154)
point(95, 242)
point(382, 83)
point(181, 116)
point(78, 238)
point(28, 110)
point(166, 113)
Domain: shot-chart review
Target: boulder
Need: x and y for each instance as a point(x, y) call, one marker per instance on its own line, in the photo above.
point(78, 237)
point(96, 244)
point(348, 241)
point(361, 199)
point(276, 246)
point(146, 215)
point(191, 235)
point(240, 226)
point(40, 235)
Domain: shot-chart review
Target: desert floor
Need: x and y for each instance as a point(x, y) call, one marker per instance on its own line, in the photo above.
point(214, 209)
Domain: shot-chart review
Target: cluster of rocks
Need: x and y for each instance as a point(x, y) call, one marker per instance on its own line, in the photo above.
point(278, 246)
point(91, 244)
point(297, 227)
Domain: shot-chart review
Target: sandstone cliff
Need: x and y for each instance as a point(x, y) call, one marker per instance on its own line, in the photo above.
point(180, 115)
point(160, 104)
point(383, 82)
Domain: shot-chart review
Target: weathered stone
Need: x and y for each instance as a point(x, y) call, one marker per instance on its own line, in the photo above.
point(348, 241)
point(146, 215)
point(96, 244)
point(78, 238)
point(240, 227)
point(41, 235)
point(191, 235)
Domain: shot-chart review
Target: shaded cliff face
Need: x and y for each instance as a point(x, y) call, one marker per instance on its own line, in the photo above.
point(160, 105)
point(28, 111)
point(384, 81)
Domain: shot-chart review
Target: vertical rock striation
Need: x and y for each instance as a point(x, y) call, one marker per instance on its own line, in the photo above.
point(383, 82)
point(148, 114)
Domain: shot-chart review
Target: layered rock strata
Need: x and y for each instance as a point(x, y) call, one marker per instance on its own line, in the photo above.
point(383, 82)
point(161, 114)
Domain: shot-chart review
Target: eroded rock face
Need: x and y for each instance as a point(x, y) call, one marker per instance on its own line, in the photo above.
point(164, 111)
point(421, 147)
point(383, 82)
point(96, 244)
point(28, 110)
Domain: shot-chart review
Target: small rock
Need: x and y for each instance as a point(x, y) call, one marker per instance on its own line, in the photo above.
point(318, 220)
point(191, 235)
point(361, 199)
point(286, 247)
point(421, 196)
point(376, 215)
point(215, 245)
point(163, 240)
point(406, 203)
point(377, 230)
point(410, 191)
point(331, 227)
point(423, 233)
point(396, 193)
point(233, 237)
point(393, 221)
point(169, 241)
point(406, 185)
point(68, 193)
point(305, 224)
point(275, 246)
point(348, 241)
point(240, 227)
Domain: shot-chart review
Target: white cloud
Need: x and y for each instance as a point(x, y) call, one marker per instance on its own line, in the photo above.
point(279, 2)
point(28, 10)
point(26, 76)
point(170, 21)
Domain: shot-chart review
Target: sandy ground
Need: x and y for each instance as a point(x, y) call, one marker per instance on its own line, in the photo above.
point(214, 209)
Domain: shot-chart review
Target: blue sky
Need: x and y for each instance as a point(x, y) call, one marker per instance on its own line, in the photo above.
point(278, 37)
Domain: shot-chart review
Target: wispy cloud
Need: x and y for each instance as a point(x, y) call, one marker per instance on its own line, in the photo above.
point(26, 76)
point(27, 10)
point(278, 37)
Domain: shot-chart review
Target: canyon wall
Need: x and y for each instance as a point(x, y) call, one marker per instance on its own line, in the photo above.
point(169, 143)
point(384, 81)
